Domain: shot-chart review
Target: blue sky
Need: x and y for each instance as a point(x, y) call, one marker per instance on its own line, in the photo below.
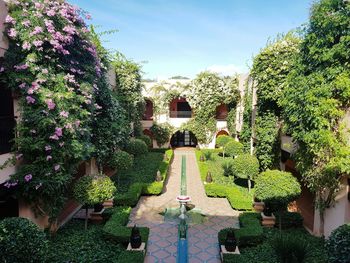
point(184, 37)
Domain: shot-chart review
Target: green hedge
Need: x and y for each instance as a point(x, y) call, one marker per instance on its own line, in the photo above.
point(116, 230)
point(131, 256)
point(237, 199)
point(132, 196)
point(251, 231)
point(290, 220)
point(250, 234)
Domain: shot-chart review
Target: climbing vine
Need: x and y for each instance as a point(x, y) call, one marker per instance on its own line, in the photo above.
point(129, 89)
point(270, 70)
point(206, 92)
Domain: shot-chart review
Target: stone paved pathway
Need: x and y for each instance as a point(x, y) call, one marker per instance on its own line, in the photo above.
point(202, 238)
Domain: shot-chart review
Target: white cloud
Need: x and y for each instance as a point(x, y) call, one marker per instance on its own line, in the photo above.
point(225, 70)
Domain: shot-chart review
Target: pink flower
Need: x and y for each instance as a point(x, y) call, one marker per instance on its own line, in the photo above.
point(57, 167)
point(69, 30)
point(54, 137)
point(77, 123)
point(44, 71)
point(2, 69)
point(21, 67)
point(38, 43)
point(38, 5)
point(37, 30)
point(51, 12)
point(50, 104)
point(28, 177)
point(12, 33)
point(48, 148)
point(30, 100)
point(26, 23)
point(61, 144)
point(26, 46)
point(64, 114)
point(9, 19)
point(23, 85)
point(58, 132)
point(48, 158)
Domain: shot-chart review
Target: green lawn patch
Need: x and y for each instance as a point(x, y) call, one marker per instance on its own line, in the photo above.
point(140, 179)
point(222, 186)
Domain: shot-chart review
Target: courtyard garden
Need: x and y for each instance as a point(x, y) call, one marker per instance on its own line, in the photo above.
point(80, 137)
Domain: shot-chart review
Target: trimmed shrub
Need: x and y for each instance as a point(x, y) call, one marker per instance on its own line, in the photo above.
point(222, 140)
point(131, 256)
point(146, 139)
point(233, 148)
point(93, 189)
point(237, 199)
point(277, 189)
point(136, 147)
point(289, 220)
point(121, 161)
point(21, 241)
point(245, 166)
point(131, 197)
point(290, 248)
point(338, 245)
point(251, 231)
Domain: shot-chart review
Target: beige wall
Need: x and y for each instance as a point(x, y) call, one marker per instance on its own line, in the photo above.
point(25, 210)
point(3, 40)
point(337, 215)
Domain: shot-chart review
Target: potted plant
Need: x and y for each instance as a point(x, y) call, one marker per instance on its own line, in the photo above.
point(230, 241)
point(135, 238)
point(258, 205)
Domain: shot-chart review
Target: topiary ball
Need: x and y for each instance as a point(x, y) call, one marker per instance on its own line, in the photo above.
point(22, 241)
point(121, 161)
point(222, 140)
point(338, 245)
point(93, 189)
point(233, 148)
point(146, 139)
point(136, 147)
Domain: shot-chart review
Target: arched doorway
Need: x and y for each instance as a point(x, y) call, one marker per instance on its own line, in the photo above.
point(183, 139)
point(222, 132)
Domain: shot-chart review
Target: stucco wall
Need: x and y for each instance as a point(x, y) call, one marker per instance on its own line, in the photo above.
point(3, 40)
point(337, 215)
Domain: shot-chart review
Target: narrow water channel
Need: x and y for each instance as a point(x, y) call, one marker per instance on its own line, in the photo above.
point(182, 245)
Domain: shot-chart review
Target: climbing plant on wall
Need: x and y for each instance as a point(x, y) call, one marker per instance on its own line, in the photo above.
point(54, 67)
point(206, 92)
point(129, 89)
point(270, 70)
point(111, 127)
point(316, 100)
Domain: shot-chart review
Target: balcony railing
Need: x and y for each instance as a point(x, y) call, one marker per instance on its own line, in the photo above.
point(7, 133)
point(180, 114)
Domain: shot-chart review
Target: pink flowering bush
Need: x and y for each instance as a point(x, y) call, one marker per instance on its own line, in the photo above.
point(55, 68)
